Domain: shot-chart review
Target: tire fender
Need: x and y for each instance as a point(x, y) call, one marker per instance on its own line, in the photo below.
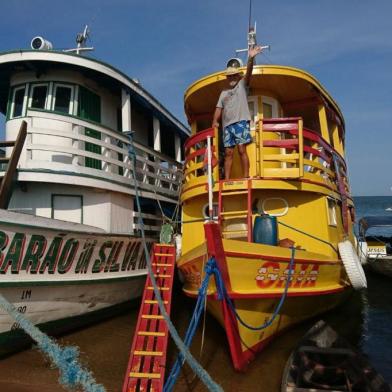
point(352, 265)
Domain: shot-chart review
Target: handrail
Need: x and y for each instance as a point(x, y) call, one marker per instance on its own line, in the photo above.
point(100, 128)
point(65, 150)
point(202, 135)
point(196, 154)
point(307, 142)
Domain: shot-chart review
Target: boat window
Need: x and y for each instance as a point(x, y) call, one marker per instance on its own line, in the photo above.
point(267, 110)
point(38, 96)
point(270, 107)
point(331, 205)
point(18, 102)
point(63, 99)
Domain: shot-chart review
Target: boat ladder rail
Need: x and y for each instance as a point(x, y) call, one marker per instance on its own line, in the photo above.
point(227, 190)
point(147, 360)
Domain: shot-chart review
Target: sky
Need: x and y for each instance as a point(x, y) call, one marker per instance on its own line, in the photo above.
point(167, 45)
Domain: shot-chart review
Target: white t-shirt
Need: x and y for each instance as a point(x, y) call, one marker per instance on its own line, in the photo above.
point(234, 103)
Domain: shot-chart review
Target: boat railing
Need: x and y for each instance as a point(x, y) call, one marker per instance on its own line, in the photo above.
point(151, 223)
point(195, 166)
point(64, 144)
point(283, 149)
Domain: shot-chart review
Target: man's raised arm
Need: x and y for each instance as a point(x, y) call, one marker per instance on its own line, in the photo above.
point(253, 52)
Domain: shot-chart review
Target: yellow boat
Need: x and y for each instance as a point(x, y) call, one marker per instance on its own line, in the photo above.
point(298, 176)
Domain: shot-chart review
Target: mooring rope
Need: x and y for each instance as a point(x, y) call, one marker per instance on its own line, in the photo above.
point(196, 367)
point(190, 333)
point(72, 373)
point(223, 294)
point(309, 235)
point(211, 268)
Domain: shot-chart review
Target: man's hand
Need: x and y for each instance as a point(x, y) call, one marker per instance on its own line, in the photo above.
point(216, 118)
point(253, 52)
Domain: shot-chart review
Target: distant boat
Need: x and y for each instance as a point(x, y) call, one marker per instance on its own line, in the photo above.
point(388, 209)
point(377, 250)
point(324, 361)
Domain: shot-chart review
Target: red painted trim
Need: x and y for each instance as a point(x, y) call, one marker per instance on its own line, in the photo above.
point(199, 137)
point(280, 119)
point(234, 295)
point(280, 127)
point(286, 143)
point(199, 152)
point(249, 212)
point(279, 259)
point(215, 249)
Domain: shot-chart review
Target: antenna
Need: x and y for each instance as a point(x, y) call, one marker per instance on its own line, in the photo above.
point(251, 34)
point(81, 39)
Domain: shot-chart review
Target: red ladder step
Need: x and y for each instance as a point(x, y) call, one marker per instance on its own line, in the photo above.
point(147, 360)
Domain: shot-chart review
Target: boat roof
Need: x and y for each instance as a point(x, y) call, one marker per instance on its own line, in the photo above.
point(367, 222)
point(286, 83)
point(105, 74)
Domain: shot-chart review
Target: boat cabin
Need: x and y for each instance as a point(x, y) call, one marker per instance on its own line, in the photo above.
point(297, 166)
point(75, 165)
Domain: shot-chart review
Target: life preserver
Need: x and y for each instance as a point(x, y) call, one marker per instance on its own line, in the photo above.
point(352, 265)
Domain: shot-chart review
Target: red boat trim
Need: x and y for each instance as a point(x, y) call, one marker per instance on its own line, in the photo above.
point(215, 249)
point(279, 259)
point(234, 295)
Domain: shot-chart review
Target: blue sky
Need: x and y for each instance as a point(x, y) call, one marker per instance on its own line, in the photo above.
point(167, 45)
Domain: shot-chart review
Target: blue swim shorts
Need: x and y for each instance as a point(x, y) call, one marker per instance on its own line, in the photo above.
point(237, 133)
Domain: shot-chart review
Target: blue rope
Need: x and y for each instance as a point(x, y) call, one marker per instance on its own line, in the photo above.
point(72, 373)
point(196, 367)
point(223, 294)
point(212, 268)
point(309, 235)
point(190, 333)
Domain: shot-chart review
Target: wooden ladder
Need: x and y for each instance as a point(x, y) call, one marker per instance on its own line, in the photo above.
point(225, 214)
point(8, 178)
point(147, 360)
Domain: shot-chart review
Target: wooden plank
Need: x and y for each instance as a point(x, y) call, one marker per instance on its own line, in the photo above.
point(281, 172)
point(6, 183)
point(293, 158)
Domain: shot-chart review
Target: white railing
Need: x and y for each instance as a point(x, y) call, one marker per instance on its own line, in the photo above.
point(151, 223)
point(58, 143)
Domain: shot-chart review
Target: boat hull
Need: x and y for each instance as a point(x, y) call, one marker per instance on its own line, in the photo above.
point(255, 277)
point(57, 310)
point(50, 274)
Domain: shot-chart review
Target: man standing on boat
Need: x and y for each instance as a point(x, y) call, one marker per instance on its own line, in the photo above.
point(233, 107)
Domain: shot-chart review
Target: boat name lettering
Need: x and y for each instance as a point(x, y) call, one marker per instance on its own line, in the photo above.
point(272, 274)
point(60, 254)
point(192, 275)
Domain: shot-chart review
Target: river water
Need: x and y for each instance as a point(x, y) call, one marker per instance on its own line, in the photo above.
point(365, 320)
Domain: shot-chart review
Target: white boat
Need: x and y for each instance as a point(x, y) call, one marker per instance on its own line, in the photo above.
point(69, 239)
point(376, 249)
